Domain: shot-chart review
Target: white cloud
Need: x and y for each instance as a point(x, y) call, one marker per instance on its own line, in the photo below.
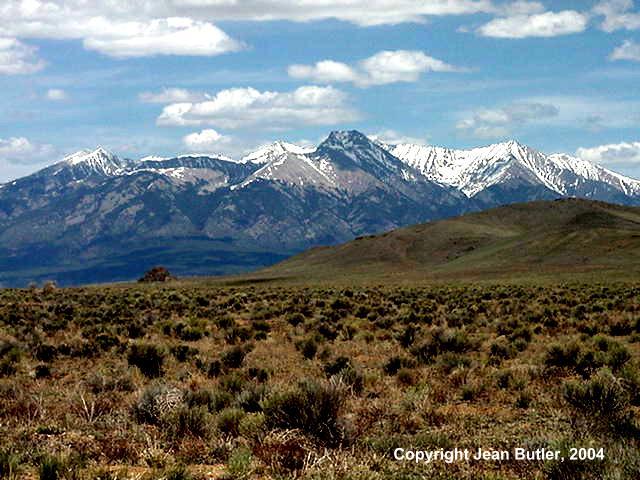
point(547, 24)
point(17, 58)
point(115, 30)
point(172, 95)
point(205, 141)
point(21, 151)
point(326, 71)
point(520, 7)
point(495, 123)
point(393, 137)
point(629, 50)
point(382, 68)
point(137, 28)
point(617, 15)
point(170, 36)
point(619, 154)
point(56, 95)
point(241, 107)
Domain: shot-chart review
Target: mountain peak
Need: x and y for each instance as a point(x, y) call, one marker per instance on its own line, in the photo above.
point(342, 140)
point(273, 151)
point(91, 156)
point(344, 136)
point(87, 163)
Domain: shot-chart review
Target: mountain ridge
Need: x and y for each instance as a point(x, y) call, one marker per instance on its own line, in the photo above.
point(92, 208)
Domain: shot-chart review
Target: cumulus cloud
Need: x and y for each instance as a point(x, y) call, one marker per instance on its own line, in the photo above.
point(617, 15)
point(17, 58)
point(172, 95)
point(618, 154)
point(137, 28)
point(494, 123)
point(56, 95)
point(629, 50)
point(169, 36)
point(204, 141)
point(116, 30)
point(21, 151)
point(241, 107)
point(382, 68)
point(546, 24)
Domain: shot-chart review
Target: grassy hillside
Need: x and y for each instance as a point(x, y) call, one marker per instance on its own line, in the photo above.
point(570, 239)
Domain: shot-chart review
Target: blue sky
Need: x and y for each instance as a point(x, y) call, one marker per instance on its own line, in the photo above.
point(208, 76)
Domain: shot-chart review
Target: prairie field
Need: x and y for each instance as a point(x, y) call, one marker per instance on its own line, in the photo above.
point(196, 380)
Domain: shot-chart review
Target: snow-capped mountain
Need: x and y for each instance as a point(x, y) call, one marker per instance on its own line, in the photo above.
point(89, 163)
point(274, 151)
point(95, 216)
point(511, 163)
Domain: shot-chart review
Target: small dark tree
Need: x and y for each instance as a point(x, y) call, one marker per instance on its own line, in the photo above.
point(156, 274)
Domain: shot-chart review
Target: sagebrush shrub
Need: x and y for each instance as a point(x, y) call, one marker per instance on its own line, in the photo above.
point(187, 421)
point(233, 358)
point(228, 421)
point(601, 402)
point(442, 340)
point(148, 357)
point(312, 407)
point(156, 401)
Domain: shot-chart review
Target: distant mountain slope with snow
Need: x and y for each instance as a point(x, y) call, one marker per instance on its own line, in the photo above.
point(473, 171)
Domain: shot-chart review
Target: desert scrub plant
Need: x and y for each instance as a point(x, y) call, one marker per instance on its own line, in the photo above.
point(176, 472)
point(251, 397)
point(213, 400)
point(343, 370)
point(187, 421)
point(394, 364)
point(184, 353)
point(314, 408)
point(308, 348)
point(156, 401)
point(9, 464)
point(228, 421)
point(240, 463)
point(148, 357)
point(406, 377)
point(284, 451)
point(630, 377)
point(59, 468)
point(233, 358)
point(601, 403)
point(575, 469)
point(10, 356)
point(441, 340)
point(501, 349)
point(51, 468)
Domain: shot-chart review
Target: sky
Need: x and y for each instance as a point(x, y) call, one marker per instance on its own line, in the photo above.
point(168, 77)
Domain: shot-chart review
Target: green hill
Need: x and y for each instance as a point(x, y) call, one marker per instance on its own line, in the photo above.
point(562, 239)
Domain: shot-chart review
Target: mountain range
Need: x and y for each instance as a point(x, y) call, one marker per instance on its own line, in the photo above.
point(95, 217)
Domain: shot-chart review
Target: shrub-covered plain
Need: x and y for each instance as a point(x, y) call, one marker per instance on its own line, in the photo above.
point(189, 380)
